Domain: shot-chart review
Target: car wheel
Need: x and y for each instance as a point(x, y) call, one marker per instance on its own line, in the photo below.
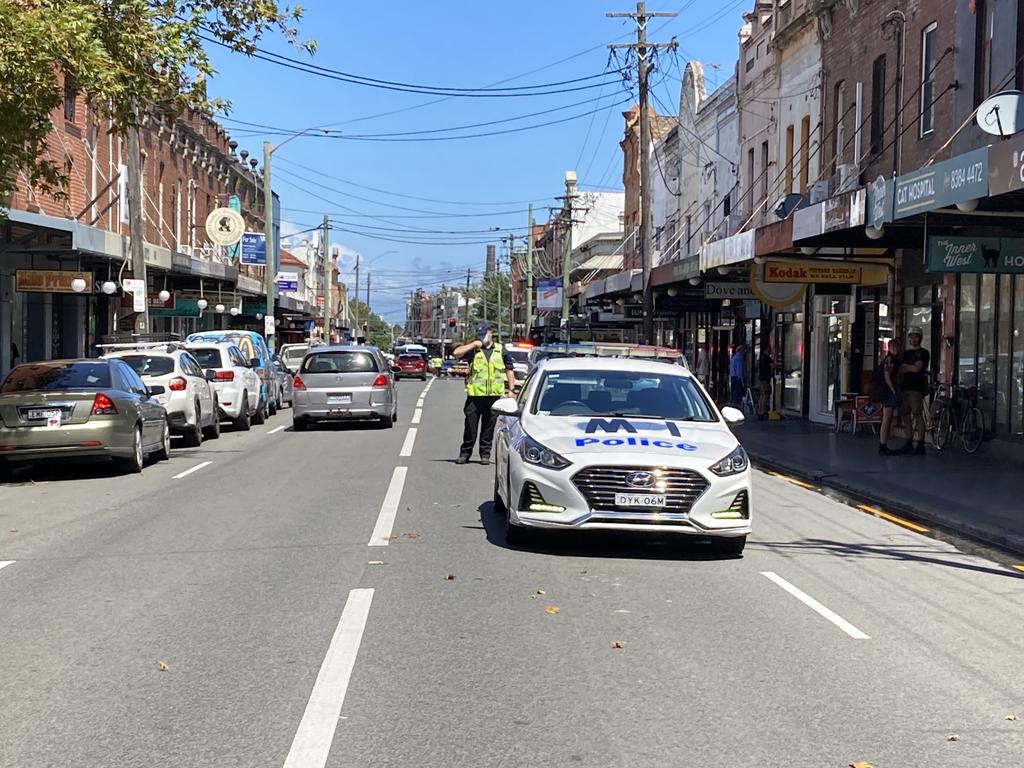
point(260, 416)
point(272, 408)
point(394, 416)
point(212, 432)
point(194, 435)
point(133, 464)
point(423, 377)
point(244, 420)
point(164, 452)
point(5, 471)
point(499, 505)
point(731, 546)
point(517, 535)
point(299, 425)
point(386, 422)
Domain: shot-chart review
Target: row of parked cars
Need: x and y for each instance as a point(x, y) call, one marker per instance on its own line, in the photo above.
point(127, 404)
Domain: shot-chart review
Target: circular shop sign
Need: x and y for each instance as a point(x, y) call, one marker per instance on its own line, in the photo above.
point(225, 226)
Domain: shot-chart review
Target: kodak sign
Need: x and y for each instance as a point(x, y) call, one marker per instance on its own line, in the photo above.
point(794, 272)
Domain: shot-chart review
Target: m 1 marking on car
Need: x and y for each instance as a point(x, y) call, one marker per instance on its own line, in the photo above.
point(614, 425)
point(616, 442)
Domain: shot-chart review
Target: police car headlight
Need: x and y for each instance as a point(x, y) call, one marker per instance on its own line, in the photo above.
point(535, 453)
point(732, 464)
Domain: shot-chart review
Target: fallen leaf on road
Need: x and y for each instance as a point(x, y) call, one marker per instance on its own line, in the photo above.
point(449, 577)
point(616, 644)
point(953, 737)
point(14, 530)
point(411, 535)
point(861, 764)
point(538, 593)
point(552, 609)
point(162, 666)
point(1011, 717)
point(375, 562)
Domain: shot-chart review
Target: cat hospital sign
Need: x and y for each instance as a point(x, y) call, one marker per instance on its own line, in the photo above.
point(1002, 255)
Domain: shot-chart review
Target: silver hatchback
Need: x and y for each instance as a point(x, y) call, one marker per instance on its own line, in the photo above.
point(344, 382)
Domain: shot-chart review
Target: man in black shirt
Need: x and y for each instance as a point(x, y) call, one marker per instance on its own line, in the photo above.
point(913, 388)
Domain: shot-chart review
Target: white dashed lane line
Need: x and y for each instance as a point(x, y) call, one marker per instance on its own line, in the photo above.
point(815, 606)
point(417, 415)
point(312, 743)
point(381, 535)
point(410, 439)
point(276, 429)
point(190, 470)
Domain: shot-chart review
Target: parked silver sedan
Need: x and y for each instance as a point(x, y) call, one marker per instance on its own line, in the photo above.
point(344, 382)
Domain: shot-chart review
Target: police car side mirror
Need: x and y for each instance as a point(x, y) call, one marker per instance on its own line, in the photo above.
point(733, 415)
point(505, 406)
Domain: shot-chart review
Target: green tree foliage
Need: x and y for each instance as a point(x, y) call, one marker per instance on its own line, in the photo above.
point(119, 54)
point(486, 305)
point(379, 331)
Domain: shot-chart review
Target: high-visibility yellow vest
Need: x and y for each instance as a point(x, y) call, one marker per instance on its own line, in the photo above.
point(487, 377)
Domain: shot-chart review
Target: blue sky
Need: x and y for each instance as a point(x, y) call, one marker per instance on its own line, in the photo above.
point(470, 185)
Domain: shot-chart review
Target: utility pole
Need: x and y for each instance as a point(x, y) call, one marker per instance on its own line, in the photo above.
point(643, 48)
point(497, 267)
point(368, 312)
point(529, 270)
point(355, 307)
point(570, 194)
point(268, 250)
point(136, 223)
point(466, 300)
point(328, 280)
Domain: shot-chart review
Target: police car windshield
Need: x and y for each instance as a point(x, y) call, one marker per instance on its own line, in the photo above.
point(626, 394)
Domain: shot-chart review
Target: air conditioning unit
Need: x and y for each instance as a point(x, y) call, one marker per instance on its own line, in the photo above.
point(847, 178)
point(818, 192)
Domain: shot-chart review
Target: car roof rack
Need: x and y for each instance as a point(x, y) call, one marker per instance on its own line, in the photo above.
point(141, 341)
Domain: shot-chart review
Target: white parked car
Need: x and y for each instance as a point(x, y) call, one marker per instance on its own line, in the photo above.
point(190, 400)
point(620, 444)
point(237, 385)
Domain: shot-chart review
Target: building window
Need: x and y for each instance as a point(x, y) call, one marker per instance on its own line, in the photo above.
point(70, 102)
point(788, 179)
point(764, 170)
point(750, 176)
point(877, 104)
point(727, 205)
point(985, 21)
point(839, 132)
point(805, 154)
point(928, 61)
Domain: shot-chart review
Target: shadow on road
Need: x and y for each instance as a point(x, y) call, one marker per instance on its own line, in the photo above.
point(910, 553)
point(601, 544)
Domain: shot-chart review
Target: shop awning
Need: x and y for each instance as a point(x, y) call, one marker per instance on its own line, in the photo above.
point(730, 250)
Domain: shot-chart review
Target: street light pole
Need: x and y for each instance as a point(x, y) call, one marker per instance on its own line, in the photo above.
point(268, 250)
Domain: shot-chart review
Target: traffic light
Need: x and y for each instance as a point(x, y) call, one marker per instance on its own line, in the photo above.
point(452, 322)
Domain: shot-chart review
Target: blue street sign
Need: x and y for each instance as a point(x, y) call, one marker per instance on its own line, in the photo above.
point(254, 248)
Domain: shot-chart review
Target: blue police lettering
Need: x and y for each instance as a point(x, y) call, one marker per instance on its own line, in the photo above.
point(615, 442)
point(661, 444)
point(581, 441)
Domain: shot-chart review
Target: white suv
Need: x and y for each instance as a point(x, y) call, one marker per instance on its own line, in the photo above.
point(236, 384)
point(190, 400)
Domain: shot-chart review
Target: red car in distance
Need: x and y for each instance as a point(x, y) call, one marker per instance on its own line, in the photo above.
point(410, 366)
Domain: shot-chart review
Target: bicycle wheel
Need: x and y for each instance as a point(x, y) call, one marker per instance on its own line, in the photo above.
point(973, 429)
point(941, 428)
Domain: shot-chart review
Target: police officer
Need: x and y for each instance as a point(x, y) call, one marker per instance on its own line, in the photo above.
point(490, 377)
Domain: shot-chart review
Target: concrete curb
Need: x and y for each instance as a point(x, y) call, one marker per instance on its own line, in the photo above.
point(995, 538)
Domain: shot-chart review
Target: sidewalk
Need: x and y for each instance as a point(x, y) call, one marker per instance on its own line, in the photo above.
point(981, 496)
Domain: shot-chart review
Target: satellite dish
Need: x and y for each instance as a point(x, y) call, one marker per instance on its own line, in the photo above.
point(1002, 114)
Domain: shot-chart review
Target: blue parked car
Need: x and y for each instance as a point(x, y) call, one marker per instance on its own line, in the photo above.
point(256, 351)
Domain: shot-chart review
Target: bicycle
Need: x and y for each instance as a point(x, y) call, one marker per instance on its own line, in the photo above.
point(958, 414)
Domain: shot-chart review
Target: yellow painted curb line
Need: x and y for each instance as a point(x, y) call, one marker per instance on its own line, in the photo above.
point(892, 518)
point(1018, 568)
point(792, 480)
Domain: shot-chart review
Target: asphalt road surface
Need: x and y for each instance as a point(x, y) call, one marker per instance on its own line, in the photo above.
point(344, 597)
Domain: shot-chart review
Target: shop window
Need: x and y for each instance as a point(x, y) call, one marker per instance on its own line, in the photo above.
point(877, 104)
point(987, 347)
point(1017, 340)
point(968, 331)
point(1004, 382)
point(928, 60)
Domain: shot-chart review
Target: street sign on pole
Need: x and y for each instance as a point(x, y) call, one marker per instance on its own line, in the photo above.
point(137, 288)
point(254, 248)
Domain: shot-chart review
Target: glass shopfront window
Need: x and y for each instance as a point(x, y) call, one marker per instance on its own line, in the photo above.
point(791, 345)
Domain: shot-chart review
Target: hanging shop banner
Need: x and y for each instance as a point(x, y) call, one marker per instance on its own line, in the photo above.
point(976, 254)
point(796, 272)
point(961, 178)
point(254, 248)
point(879, 202)
point(549, 294)
point(180, 307)
point(724, 290)
point(844, 211)
point(48, 280)
point(235, 204)
point(1006, 165)
point(287, 281)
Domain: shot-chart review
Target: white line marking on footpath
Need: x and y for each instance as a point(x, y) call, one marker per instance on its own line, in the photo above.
point(276, 429)
point(815, 606)
point(417, 416)
point(388, 509)
point(196, 468)
point(410, 438)
point(5, 563)
point(312, 742)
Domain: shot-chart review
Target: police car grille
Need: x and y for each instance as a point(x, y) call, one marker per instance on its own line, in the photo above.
point(600, 484)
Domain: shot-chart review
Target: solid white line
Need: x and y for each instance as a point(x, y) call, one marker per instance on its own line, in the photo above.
point(410, 438)
point(276, 429)
point(196, 468)
point(5, 563)
point(386, 519)
point(417, 415)
point(817, 607)
point(312, 742)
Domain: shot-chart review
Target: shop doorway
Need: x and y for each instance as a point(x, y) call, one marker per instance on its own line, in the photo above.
point(830, 356)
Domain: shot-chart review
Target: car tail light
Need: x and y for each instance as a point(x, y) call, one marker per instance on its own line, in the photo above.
point(224, 376)
point(90, 444)
point(381, 380)
point(297, 383)
point(177, 384)
point(103, 406)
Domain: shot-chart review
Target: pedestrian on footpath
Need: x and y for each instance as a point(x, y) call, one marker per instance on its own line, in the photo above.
point(765, 372)
point(490, 376)
point(737, 375)
point(885, 391)
point(913, 373)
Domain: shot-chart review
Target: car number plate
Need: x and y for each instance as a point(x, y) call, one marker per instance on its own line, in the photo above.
point(652, 500)
point(50, 416)
point(343, 399)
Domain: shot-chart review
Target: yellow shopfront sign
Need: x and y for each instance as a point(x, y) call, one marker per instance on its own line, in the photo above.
point(842, 273)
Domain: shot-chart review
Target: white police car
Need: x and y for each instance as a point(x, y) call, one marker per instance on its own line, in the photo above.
point(620, 445)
